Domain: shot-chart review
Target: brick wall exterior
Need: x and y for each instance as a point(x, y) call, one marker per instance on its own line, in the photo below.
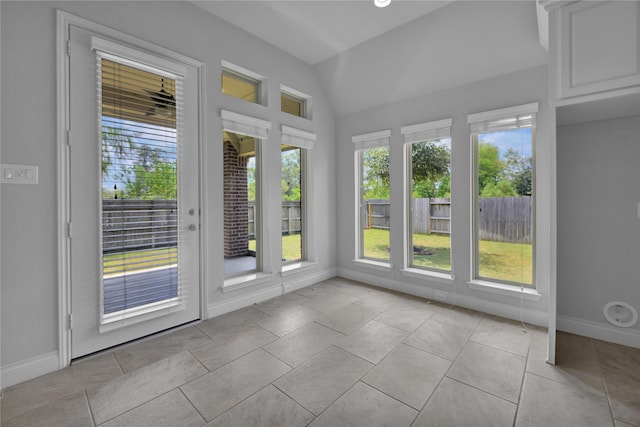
point(236, 212)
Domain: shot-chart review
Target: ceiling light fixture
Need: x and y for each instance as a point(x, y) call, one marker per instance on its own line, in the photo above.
point(382, 3)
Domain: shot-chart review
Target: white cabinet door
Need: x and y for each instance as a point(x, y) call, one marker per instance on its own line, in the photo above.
point(598, 47)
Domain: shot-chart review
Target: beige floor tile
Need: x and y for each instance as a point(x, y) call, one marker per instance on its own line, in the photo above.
point(349, 286)
point(289, 320)
point(278, 305)
point(363, 406)
point(320, 381)
point(503, 334)
point(379, 300)
point(226, 347)
point(440, 338)
point(138, 387)
point(267, 408)
point(459, 316)
point(348, 318)
point(145, 352)
point(489, 369)
point(319, 289)
point(408, 374)
point(330, 302)
point(169, 410)
point(223, 388)
point(408, 319)
point(82, 375)
point(226, 322)
point(303, 344)
point(373, 341)
point(624, 396)
point(546, 402)
point(71, 411)
point(456, 404)
point(619, 423)
point(574, 367)
point(618, 357)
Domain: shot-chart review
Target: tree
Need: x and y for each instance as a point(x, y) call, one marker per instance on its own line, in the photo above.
point(156, 181)
point(290, 175)
point(116, 145)
point(490, 167)
point(518, 171)
point(375, 173)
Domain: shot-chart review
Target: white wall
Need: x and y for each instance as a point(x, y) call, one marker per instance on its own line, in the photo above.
point(598, 225)
point(508, 90)
point(29, 242)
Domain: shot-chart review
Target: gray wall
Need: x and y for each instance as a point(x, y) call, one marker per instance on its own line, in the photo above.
point(29, 235)
point(598, 225)
point(505, 91)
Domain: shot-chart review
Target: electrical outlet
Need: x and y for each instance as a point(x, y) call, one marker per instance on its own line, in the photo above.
point(441, 296)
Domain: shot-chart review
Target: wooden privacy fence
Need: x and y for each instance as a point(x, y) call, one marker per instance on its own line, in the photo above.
point(130, 224)
point(505, 219)
point(502, 219)
point(291, 218)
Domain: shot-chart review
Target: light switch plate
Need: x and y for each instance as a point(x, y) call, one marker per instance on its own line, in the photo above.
point(19, 174)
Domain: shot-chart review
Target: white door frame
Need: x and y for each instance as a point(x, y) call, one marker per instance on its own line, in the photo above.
point(64, 21)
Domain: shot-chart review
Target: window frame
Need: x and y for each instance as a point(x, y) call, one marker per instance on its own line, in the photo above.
point(295, 95)
point(504, 119)
point(239, 73)
point(362, 143)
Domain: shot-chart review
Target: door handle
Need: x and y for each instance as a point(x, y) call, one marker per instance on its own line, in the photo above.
point(193, 227)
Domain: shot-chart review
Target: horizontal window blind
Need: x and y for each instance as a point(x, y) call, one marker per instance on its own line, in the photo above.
point(140, 121)
point(522, 116)
point(372, 140)
point(426, 131)
point(298, 138)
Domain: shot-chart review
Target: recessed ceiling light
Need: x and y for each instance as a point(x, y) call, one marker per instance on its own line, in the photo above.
point(382, 3)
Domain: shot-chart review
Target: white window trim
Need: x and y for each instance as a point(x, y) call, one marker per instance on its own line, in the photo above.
point(245, 125)
point(493, 121)
point(297, 137)
point(305, 99)
point(244, 281)
point(411, 134)
point(248, 75)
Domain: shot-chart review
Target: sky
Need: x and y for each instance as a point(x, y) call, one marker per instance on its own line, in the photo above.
point(519, 139)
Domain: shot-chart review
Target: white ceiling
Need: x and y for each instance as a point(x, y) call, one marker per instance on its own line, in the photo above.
point(314, 31)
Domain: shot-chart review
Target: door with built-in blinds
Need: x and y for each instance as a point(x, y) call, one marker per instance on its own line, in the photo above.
point(134, 189)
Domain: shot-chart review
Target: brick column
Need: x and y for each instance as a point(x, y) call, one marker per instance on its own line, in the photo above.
point(236, 211)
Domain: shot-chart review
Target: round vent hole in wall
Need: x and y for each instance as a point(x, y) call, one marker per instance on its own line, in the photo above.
point(620, 314)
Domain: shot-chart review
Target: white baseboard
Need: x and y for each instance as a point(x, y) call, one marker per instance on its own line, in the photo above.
point(293, 283)
point(601, 331)
point(534, 317)
point(24, 370)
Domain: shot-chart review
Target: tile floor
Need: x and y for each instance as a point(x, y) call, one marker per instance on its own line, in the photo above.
point(340, 353)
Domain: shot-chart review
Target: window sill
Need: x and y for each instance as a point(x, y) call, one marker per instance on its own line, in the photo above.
point(418, 273)
point(297, 267)
point(507, 290)
point(245, 281)
point(376, 265)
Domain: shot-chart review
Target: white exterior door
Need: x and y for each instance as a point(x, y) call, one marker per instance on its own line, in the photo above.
point(133, 191)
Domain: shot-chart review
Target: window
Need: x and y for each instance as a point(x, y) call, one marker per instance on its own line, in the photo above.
point(293, 157)
point(242, 83)
point(242, 140)
point(241, 164)
point(140, 129)
point(294, 102)
point(504, 194)
point(374, 205)
point(428, 171)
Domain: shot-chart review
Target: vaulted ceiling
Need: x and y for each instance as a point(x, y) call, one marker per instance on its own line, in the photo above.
point(368, 56)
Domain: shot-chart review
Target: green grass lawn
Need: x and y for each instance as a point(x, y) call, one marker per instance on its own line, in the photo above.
point(291, 246)
point(511, 262)
point(138, 260)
